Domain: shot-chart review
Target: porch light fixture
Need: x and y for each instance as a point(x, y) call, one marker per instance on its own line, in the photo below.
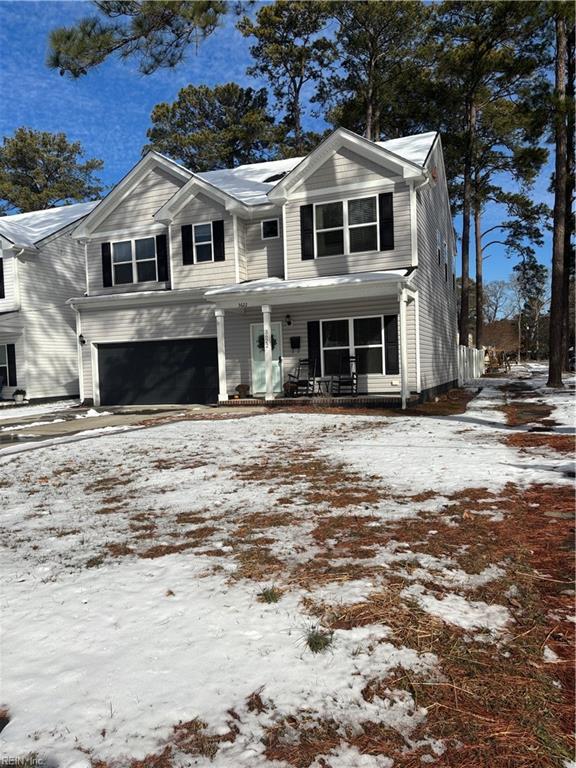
point(288, 320)
point(81, 339)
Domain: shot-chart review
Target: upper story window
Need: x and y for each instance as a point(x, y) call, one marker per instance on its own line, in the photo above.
point(346, 227)
point(134, 261)
point(203, 242)
point(270, 229)
point(137, 260)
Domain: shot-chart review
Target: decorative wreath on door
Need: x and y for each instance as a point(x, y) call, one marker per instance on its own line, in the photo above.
point(261, 341)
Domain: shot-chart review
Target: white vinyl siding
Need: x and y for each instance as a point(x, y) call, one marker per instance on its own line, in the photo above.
point(138, 208)
point(264, 258)
point(437, 298)
point(47, 359)
point(200, 210)
point(342, 169)
point(9, 264)
point(399, 257)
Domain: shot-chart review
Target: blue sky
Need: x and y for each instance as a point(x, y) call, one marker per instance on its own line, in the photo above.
point(108, 110)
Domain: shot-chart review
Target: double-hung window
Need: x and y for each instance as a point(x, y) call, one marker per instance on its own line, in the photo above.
point(363, 225)
point(330, 229)
point(358, 337)
point(203, 242)
point(134, 261)
point(346, 227)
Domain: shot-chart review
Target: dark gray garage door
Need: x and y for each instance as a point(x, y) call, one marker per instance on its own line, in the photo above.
point(149, 372)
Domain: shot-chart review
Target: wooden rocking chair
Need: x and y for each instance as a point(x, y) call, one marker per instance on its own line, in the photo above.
point(345, 382)
point(303, 382)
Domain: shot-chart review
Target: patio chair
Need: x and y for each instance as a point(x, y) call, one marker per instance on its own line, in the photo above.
point(346, 381)
point(303, 382)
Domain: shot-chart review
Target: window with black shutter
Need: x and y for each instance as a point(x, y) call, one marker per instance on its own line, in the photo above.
point(347, 227)
point(135, 260)
point(2, 290)
point(203, 243)
point(7, 365)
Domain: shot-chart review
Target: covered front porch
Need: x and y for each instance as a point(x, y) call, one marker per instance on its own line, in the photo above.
point(266, 328)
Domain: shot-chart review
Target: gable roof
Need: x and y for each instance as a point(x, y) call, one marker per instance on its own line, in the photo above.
point(28, 229)
point(260, 183)
point(143, 167)
point(250, 185)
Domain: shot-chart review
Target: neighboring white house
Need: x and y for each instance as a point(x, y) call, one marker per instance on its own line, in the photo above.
point(40, 268)
point(199, 282)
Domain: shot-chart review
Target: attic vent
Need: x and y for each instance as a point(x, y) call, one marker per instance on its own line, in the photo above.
point(276, 177)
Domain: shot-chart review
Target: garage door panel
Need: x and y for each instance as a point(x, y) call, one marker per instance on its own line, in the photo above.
point(150, 372)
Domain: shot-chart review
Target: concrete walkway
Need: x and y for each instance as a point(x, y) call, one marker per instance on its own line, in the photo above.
point(83, 421)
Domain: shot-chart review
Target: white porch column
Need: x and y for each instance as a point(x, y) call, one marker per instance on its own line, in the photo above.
point(266, 321)
point(222, 386)
point(403, 348)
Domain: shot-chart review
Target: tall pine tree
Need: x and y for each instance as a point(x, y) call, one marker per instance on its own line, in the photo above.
point(292, 54)
point(207, 128)
point(156, 34)
point(40, 170)
point(483, 52)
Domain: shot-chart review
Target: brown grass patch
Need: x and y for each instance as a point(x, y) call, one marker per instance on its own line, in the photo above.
point(191, 738)
point(257, 562)
point(254, 702)
point(111, 510)
point(519, 414)
point(327, 483)
point(526, 440)
point(190, 518)
point(118, 549)
point(105, 484)
point(453, 402)
point(160, 550)
point(493, 707)
point(178, 463)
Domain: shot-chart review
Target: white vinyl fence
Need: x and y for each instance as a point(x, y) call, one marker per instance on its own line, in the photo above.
point(470, 364)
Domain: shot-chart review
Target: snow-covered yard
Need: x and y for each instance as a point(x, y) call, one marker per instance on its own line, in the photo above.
point(294, 589)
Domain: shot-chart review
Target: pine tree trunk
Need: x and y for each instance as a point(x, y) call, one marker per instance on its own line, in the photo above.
point(369, 106)
point(568, 266)
point(479, 277)
point(557, 303)
point(467, 200)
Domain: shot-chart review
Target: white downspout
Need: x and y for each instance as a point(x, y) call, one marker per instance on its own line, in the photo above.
point(403, 348)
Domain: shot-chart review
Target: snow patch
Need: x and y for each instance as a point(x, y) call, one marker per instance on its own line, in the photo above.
point(455, 609)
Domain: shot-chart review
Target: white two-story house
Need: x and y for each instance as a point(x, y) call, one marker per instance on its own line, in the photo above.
point(200, 282)
point(41, 267)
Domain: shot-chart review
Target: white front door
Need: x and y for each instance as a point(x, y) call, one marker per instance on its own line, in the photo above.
point(258, 362)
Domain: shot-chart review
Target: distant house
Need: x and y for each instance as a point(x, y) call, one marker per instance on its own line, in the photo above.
point(41, 267)
point(199, 282)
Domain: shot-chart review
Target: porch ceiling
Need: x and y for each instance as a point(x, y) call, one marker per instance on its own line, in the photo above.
point(274, 290)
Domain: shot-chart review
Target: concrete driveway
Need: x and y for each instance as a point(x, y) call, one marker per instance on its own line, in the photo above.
point(26, 426)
